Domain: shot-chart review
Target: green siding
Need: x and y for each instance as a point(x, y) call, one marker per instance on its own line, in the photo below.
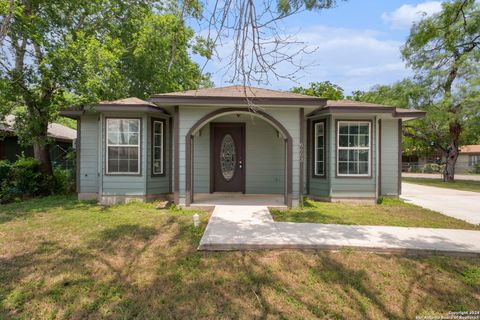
point(351, 187)
point(121, 185)
point(287, 116)
point(201, 161)
point(157, 184)
point(320, 187)
point(89, 153)
point(389, 165)
point(264, 156)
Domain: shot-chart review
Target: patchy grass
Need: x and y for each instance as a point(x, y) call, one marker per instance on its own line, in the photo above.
point(392, 212)
point(465, 185)
point(64, 259)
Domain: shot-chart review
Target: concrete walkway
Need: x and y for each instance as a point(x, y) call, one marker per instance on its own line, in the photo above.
point(459, 204)
point(472, 177)
point(233, 227)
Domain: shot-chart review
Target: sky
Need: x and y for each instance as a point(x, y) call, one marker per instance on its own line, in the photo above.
point(357, 44)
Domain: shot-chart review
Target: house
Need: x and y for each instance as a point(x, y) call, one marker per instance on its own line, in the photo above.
point(10, 149)
point(468, 156)
point(235, 139)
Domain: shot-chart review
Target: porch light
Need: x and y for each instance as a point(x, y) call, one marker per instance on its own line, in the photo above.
point(196, 220)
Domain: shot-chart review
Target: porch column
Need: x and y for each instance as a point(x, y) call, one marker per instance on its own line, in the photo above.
point(176, 156)
point(189, 170)
point(301, 155)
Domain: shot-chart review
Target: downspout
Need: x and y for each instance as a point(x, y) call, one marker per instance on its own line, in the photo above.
point(285, 180)
point(176, 156)
point(302, 156)
point(78, 144)
point(100, 157)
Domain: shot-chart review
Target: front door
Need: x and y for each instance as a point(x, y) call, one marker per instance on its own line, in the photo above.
point(227, 157)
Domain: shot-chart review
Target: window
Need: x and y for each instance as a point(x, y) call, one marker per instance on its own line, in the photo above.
point(123, 146)
point(319, 149)
point(473, 160)
point(353, 150)
point(157, 146)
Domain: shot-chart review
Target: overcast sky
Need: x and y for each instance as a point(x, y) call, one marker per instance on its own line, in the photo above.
point(357, 43)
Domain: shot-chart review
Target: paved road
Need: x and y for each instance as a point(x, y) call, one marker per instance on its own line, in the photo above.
point(459, 204)
point(241, 227)
point(472, 177)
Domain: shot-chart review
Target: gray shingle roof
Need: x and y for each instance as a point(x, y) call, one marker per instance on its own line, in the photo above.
point(237, 91)
point(55, 130)
point(131, 101)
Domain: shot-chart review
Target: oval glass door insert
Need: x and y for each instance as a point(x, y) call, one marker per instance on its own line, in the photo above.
point(228, 160)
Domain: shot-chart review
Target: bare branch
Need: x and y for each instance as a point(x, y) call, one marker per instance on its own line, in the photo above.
point(259, 45)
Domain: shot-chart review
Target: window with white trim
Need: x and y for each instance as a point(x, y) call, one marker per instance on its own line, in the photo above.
point(319, 149)
point(123, 146)
point(157, 147)
point(353, 148)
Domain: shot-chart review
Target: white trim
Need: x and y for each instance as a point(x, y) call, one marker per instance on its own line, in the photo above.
point(154, 146)
point(107, 145)
point(315, 149)
point(369, 149)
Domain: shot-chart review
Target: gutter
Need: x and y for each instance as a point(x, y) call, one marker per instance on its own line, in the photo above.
point(391, 110)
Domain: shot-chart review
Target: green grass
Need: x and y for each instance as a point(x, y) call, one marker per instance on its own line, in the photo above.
point(392, 212)
point(64, 259)
point(465, 185)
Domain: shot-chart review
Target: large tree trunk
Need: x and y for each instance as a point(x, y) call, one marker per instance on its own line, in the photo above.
point(449, 172)
point(452, 152)
point(42, 154)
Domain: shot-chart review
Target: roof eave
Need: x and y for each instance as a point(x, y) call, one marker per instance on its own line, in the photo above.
point(75, 113)
point(216, 100)
point(368, 109)
point(410, 115)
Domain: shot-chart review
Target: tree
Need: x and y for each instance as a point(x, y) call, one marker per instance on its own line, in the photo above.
point(428, 135)
point(61, 53)
point(411, 95)
point(444, 52)
point(324, 89)
point(259, 44)
point(152, 67)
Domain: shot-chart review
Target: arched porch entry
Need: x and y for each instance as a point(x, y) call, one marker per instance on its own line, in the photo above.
point(189, 150)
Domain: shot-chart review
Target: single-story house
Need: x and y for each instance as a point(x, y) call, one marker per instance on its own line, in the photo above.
point(236, 139)
point(468, 156)
point(64, 140)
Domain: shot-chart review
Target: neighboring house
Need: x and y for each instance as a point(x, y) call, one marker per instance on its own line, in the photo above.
point(183, 144)
point(10, 149)
point(468, 156)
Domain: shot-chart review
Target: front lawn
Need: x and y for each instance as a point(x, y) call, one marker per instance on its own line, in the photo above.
point(465, 185)
point(64, 259)
point(392, 212)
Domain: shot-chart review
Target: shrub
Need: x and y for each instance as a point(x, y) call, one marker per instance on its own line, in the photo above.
point(432, 168)
point(5, 169)
point(476, 167)
point(23, 179)
point(63, 181)
point(27, 177)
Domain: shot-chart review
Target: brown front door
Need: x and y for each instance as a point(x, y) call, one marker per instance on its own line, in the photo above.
point(227, 157)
